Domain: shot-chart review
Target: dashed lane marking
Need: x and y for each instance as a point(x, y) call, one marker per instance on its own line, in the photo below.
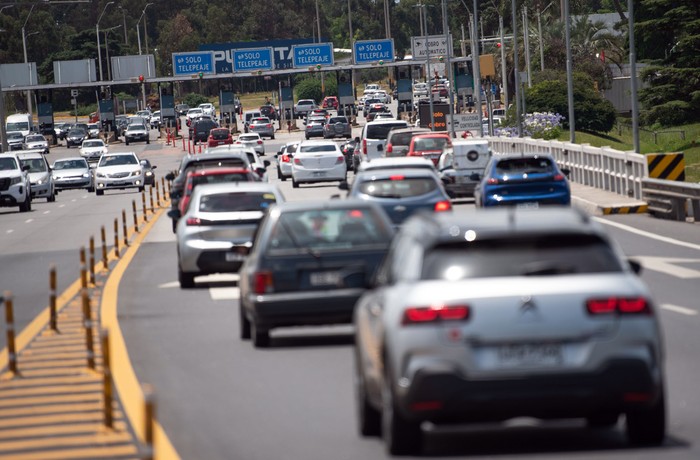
point(29, 221)
point(677, 309)
point(229, 293)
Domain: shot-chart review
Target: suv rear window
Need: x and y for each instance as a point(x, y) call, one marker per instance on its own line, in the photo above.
point(398, 187)
point(219, 134)
point(236, 201)
point(539, 255)
point(337, 120)
point(381, 131)
point(429, 143)
point(222, 178)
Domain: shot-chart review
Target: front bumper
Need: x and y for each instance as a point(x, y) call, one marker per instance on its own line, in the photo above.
point(41, 190)
point(136, 138)
point(72, 182)
point(104, 183)
point(13, 196)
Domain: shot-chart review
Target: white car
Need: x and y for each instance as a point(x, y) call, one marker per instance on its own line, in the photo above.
point(36, 142)
point(252, 140)
point(17, 188)
point(93, 149)
point(194, 113)
point(40, 177)
point(208, 109)
point(120, 170)
point(318, 161)
point(258, 165)
point(382, 96)
point(94, 130)
point(285, 156)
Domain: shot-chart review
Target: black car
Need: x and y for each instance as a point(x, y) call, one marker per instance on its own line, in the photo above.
point(269, 111)
point(76, 136)
point(149, 176)
point(199, 131)
point(182, 109)
point(309, 264)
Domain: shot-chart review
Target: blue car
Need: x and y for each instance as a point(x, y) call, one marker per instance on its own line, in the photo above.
point(400, 191)
point(523, 180)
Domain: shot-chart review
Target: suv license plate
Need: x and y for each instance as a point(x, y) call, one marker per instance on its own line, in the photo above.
point(530, 355)
point(529, 205)
point(234, 257)
point(324, 278)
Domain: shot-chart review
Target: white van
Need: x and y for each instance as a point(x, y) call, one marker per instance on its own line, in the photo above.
point(21, 122)
point(461, 167)
point(373, 138)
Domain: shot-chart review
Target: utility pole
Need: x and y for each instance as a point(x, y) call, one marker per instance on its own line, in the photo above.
point(448, 65)
point(633, 78)
point(477, 68)
point(526, 44)
point(516, 70)
point(422, 6)
point(569, 75)
point(504, 74)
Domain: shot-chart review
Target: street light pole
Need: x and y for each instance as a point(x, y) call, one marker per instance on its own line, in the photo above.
point(126, 38)
point(24, 46)
point(448, 65)
point(109, 67)
point(633, 78)
point(477, 67)
point(97, 29)
point(569, 74)
point(427, 60)
point(138, 30)
point(517, 90)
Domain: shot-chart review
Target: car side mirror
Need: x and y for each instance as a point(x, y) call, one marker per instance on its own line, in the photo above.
point(343, 185)
point(566, 171)
point(170, 176)
point(357, 139)
point(25, 168)
point(266, 163)
point(174, 214)
point(260, 170)
point(153, 166)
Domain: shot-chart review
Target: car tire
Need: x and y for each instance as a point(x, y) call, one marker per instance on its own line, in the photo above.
point(126, 142)
point(174, 225)
point(26, 206)
point(186, 279)
point(647, 425)
point(51, 198)
point(280, 175)
point(148, 141)
point(99, 192)
point(260, 337)
point(401, 436)
point(244, 324)
point(91, 189)
point(295, 184)
point(369, 419)
point(273, 137)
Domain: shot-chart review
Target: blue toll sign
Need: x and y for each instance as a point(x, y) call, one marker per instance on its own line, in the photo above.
point(252, 59)
point(371, 51)
point(193, 63)
point(315, 54)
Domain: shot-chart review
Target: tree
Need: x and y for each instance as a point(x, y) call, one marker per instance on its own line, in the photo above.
point(668, 34)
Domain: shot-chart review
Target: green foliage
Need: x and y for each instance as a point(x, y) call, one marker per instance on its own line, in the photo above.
point(309, 87)
point(592, 112)
point(84, 110)
point(669, 114)
point(194, 99)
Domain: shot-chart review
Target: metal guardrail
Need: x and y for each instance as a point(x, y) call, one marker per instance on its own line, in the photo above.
point(604, 168)
point(672, 200)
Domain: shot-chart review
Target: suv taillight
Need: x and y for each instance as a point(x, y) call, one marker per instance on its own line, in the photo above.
point(435, 314)
point(619, 306)
point(262, 282)
point(442, 206)
point(389, 148)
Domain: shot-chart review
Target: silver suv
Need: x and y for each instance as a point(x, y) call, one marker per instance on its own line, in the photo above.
point(487, 316)
point(303, 107)
point(15, 188)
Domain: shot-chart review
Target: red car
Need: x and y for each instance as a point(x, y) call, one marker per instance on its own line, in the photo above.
point(219, 136)
point(330, 102)
point(429, 145)
point(213, 176)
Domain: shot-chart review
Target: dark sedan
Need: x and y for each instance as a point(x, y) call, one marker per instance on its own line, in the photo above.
point(309, 263)
point(75, 137)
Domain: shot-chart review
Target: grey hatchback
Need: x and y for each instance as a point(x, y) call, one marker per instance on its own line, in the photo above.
point(494, 314)
point(310, 262)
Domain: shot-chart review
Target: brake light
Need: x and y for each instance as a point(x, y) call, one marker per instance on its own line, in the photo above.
point(259, 142)
point(262, 282)
point(618, 305)
point(297, 161)
point(268, 126)
point(364, 146)
point(193, 221)
point(435, 314)
point(442, 206)
point(389, 148)
point(492, 181)
point(285, 158)
point(559, 177)
point(396, 177)
point(340, 160)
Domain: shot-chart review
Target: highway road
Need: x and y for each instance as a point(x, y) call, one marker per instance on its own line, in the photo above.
point(218, 398)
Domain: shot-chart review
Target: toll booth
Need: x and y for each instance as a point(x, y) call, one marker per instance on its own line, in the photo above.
point(404, 85)
point(227, 108)
point(168, 115)
point(286, 103)
point(346, 95)
point(46, 121)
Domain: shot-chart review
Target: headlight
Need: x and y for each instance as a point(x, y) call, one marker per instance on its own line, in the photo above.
point(40, 181)
point(99, 174)
point(86, 174)
point(149, 173)
point(136, 173)
point(15, 180)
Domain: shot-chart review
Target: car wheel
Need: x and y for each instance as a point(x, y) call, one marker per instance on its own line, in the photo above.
point(401, 436)
point(272, 137)
point(126, 142)
point(99, 192)
point(26, 206)
point(51, 198)
point(295, 184)
point(280, 175)
point(244, 324)
point(307, 137)
point(91, 189)
point(148, 141)
point(259, 337)
point(369, 419)
point(647, 426)
point(186, 279)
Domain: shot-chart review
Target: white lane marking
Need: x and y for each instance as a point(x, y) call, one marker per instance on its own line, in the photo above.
point(46, 212)
point(677, 309)
point(670, 266)
point(29, 221)
point(228, 293)
point(10, 231)
point(171, 284)
point(648, 234)
point(61, 205)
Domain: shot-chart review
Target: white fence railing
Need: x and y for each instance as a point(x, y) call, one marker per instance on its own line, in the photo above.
point(600, 167)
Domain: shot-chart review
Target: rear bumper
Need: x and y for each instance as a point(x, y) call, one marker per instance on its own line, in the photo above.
point(330, 306)
point(546, 396)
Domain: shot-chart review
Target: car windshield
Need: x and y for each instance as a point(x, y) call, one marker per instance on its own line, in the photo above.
point(70, 164)
point(35, 164)
point(242, 176)
point(77, 132)
point(429, 143)
point(118, 160)
point(7, 164)
point(539, 255)
point(34, 139)
point(236, 201)
point(398, 187)
point(15, 136)
point(337, 120)
point(246, 138)
point(89, 144)
point(328, 229)
point(381, 131)
point(524, 166)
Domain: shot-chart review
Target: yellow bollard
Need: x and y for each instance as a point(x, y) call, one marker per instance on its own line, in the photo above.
point(107, 381)
point(157, 195)
point(136, 219)
point(92, 261)
point(149, 420)
point(52, 299)
point(103, 233)
point(10, 328)
point(116, 238)
point(87, 322)
point(83, 268)
point(145, 211)
point(150, 192)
